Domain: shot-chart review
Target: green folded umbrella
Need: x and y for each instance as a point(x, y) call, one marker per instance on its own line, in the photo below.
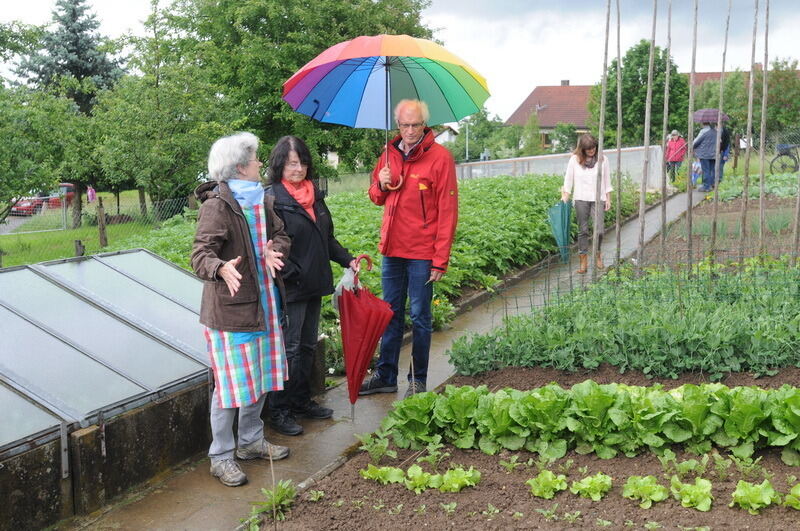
point(559, 215)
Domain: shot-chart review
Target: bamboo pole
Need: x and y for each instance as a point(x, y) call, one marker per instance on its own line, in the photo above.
point(690, 151)
point(763, 135)
point(618, 195)
point(749, 135)
point(645, 172)
point(664, 124)
point(717, 154)
point(599, 203)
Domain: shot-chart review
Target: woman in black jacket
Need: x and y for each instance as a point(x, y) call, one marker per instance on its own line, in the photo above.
point(306, 274)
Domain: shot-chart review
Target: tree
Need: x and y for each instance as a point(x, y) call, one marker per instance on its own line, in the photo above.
point(564, 138)
point(531, 137)
point(17, 38)
point(71, 59)
point(634, 97)
point(249, 48)
point(157, 127)
point(35, 127)
point(72, 50)
point(481, 131)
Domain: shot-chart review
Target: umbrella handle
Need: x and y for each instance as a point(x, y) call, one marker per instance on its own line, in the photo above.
point(369, 265)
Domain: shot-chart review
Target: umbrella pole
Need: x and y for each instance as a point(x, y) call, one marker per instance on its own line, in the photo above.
point(388, 103)
point(352, 412)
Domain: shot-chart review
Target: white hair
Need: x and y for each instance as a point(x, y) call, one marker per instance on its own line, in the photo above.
point(420, 106)
point(229, 152)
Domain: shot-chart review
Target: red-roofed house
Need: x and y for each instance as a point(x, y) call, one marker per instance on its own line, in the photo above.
point(560, 104)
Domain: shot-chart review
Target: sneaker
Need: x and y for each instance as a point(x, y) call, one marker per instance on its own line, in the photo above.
point(283, 421)
point(415, 387)
point(703, 189)
point(262, 450)
point(312, 410)
point(376, 385)
point(229, 473)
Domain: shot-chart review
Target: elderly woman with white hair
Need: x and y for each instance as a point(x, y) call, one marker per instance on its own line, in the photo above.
point(237, 249)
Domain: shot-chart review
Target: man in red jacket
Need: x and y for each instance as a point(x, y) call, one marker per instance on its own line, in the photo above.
point(415, 181)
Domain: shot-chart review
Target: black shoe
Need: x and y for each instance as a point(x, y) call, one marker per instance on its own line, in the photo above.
point(284, 422)
point(312, 410)
point(376, 385)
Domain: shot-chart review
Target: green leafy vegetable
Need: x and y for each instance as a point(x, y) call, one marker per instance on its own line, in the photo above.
point(546, 484)
point(697, 494)
point(594, 487)
point(752, 497)
point(646, 489)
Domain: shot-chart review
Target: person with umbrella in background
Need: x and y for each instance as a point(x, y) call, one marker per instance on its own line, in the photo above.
point(415, 181)
point(581, 175)
point(705, 146)
point(306, 274)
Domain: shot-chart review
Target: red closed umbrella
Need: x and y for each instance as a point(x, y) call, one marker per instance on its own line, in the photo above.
point(363, 319)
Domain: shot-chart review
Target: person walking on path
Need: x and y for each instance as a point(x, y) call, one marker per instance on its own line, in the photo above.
point(306, 274)
point(581, 176)
point(705, 146)
point(238, 247)
point(415, 181)
point(676, 152)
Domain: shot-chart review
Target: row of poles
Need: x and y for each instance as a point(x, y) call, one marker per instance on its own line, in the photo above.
point(598, 221)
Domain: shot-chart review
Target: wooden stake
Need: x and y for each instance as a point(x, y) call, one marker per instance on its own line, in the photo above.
point(101, 222)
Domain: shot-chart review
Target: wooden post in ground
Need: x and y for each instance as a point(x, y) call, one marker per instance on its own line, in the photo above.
point(101, 222)
point(79, 248)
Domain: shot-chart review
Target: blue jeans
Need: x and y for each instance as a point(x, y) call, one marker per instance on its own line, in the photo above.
point(708, 172)
point(401, 278)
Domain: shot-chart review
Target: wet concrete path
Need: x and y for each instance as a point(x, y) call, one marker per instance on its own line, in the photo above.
point(190, 498)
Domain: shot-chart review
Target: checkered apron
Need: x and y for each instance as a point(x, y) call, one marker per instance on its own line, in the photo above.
point(248, 364)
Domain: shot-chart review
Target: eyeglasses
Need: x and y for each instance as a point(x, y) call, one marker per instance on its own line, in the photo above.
point(295, 165)
point(411, 126)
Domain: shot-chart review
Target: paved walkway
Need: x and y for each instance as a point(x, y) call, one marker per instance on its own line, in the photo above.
point(190, 499)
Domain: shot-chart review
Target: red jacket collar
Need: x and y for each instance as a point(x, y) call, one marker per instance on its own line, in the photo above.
point(427, 141)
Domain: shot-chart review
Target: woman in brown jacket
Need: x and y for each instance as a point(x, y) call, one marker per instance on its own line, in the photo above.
point(238, 247)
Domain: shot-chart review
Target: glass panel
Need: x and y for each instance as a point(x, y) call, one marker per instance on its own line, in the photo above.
point(146, 305)
point(19, 418)
point(181, 285)
point(57, 369)
point(117, 344)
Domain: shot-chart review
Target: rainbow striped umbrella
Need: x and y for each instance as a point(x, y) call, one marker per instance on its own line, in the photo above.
point(358, 82)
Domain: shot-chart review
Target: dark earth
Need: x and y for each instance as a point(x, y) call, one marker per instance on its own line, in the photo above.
point(502, 500)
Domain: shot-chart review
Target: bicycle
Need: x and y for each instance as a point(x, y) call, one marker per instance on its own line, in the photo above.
point(786, 161)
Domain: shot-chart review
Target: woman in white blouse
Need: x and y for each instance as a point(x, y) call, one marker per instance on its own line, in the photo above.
point(582, 176)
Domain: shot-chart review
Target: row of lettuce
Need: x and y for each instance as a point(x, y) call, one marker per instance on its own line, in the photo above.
point(606, 420)
point(720, 319)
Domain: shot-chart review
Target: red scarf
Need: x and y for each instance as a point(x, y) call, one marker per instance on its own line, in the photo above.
point(303, 193)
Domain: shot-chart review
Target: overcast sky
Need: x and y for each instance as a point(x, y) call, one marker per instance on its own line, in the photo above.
point(520, 44)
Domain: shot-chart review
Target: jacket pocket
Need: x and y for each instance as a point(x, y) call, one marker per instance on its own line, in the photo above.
point(247, 293)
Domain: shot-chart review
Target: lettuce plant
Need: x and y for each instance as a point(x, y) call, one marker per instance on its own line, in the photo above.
point(594, 487)
point(793, 498)
point(753, 497)
point(697, 494)
point(546, 484)
point(646, 489)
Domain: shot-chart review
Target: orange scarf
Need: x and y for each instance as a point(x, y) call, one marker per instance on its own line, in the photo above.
point(303, 193)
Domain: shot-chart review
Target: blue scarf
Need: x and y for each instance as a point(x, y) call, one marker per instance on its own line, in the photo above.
point(246, 193)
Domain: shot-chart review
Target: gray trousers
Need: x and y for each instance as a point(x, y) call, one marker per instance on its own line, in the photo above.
point(251, 427)
point(584, 211)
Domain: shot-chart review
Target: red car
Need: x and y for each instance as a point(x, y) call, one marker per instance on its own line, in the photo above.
point(28, 206)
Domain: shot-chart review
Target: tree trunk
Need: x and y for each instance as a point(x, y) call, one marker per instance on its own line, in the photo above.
point(142, 202)
point(77, 205)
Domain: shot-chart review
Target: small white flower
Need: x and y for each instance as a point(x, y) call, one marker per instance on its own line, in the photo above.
point(324, 336)
point(331, 371)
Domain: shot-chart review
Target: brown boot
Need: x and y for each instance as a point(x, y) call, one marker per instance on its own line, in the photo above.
point(584, 264)
point(599, 261)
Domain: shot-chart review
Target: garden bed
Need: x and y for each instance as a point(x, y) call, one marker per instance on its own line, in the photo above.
point(502, 500)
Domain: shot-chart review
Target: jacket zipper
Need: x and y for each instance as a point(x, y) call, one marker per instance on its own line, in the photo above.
point(424, 217)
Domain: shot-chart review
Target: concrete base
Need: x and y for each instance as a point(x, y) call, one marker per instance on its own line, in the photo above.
point(32, 493)
point(132, 448)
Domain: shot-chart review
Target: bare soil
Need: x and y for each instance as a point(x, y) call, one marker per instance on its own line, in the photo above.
point(502, 500)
